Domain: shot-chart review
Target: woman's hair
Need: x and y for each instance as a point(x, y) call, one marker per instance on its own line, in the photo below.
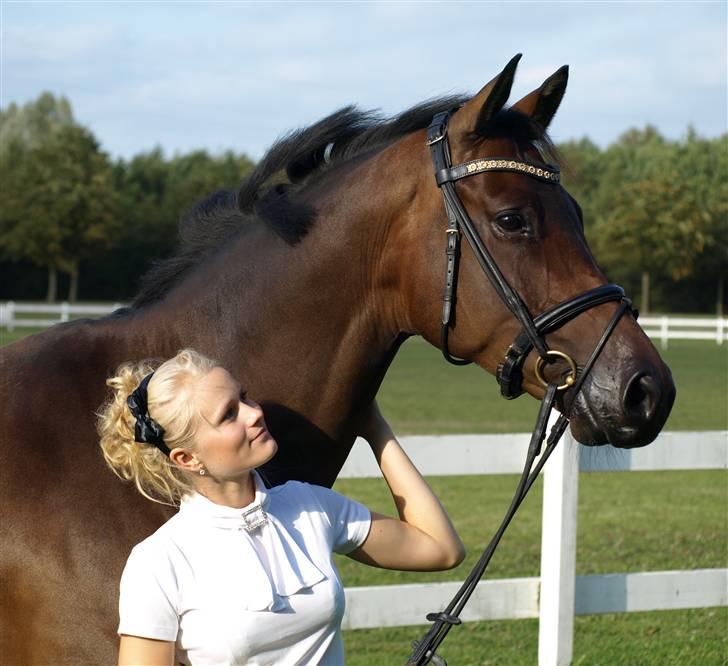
point(170, 403)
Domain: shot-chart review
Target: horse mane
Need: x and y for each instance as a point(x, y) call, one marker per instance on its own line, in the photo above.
point(295, 161)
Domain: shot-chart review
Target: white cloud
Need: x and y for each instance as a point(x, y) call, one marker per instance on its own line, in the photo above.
point(238, 74)
point(67, 43)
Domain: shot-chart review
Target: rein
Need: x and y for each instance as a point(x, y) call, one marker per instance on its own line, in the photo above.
point(510, 371)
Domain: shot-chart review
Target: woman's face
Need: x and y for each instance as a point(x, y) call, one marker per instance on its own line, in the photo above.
point(231, 438)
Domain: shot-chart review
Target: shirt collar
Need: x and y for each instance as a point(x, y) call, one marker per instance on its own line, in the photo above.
point(248, 518)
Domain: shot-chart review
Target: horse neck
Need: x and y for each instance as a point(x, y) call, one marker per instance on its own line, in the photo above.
point(332, 304)
point(312, 326)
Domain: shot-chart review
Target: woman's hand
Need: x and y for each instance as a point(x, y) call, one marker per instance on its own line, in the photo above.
point(375, 429)
point(423, 539)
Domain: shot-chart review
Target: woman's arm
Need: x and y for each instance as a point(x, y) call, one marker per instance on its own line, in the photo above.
point(136, 651)
point(423, 539)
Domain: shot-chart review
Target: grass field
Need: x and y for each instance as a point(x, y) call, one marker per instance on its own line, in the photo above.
point(628, 521)
point(422, 394)
point(636, 521)
point(693, 637)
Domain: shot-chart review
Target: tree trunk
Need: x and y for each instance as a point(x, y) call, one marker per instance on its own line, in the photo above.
point(720, 296)
point(73, 285)
point(52, 285)
point(645, 299)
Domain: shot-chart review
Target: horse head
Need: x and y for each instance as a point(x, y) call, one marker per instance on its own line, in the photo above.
point(533, 232)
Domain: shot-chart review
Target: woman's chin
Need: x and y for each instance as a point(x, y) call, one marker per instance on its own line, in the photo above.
point(265, 447)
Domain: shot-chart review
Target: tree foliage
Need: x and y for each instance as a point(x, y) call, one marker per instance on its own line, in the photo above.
point(154, 192)
point(652, 207)
point(30, 124)
point(655, 208)
point(58, 205)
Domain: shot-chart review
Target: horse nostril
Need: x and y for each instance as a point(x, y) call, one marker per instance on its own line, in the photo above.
point(642, 396)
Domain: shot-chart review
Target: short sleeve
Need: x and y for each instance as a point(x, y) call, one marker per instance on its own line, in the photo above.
point(147, 595)
point(350, 520)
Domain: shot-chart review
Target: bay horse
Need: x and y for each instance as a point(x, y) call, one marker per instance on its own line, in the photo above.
point(304, 283)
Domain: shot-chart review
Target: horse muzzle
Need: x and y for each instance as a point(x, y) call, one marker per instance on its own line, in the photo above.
point(626, 409)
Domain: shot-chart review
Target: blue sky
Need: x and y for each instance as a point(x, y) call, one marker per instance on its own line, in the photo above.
point(219, 75)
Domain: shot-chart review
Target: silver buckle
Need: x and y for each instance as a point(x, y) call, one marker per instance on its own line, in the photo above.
point(254, 518)
point(439, 137)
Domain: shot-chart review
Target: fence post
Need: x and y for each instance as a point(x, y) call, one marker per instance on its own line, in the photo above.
point(719, 331)
point(558, 555)
point(664, 332)
point(65, 311)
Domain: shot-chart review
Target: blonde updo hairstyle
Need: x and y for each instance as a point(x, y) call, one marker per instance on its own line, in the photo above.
point(170, 403)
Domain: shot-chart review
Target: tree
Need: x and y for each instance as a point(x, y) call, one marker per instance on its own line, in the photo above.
point(58, 205)
point(154, 192)
point(581, 164)
point(30, 125)
point(705, 163)
point(650, 220)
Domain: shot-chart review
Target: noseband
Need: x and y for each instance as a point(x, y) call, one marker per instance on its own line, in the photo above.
point(510, 371)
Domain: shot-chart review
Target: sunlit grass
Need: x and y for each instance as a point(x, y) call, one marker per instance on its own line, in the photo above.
point(627, 522)
point(423, 394)
point(694, 637)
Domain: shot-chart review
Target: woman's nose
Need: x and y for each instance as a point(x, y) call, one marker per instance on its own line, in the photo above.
point(252, 411)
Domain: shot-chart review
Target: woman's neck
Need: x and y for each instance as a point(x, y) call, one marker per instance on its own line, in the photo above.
point(233, 493)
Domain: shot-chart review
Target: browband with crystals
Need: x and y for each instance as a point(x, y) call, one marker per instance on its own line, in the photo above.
point(146, 429)
point(545, 172)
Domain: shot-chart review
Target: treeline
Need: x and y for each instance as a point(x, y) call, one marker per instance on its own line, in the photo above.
point(75, 224)
point(656, 215)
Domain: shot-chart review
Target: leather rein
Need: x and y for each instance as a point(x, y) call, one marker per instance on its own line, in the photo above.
point(510, 371)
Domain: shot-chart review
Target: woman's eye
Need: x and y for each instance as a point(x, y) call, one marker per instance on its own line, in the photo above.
point(511, 222)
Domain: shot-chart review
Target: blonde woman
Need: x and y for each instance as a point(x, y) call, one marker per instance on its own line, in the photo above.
point(244, 574)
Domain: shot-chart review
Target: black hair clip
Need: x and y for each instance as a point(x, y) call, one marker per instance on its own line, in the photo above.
point(146, 429)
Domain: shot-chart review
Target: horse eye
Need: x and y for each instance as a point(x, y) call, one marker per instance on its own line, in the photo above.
point(511, 223)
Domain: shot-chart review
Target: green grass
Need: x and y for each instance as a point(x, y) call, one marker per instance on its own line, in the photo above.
point(6, 337)
point(628, 522)
point(423, 394)
point(695, 637)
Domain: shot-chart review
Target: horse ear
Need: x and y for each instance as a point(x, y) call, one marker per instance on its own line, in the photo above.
point(477, 111)
point(542, 103)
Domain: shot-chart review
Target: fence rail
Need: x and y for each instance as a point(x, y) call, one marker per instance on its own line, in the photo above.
point(557, 597)
point(60, 312)
point(664, 328)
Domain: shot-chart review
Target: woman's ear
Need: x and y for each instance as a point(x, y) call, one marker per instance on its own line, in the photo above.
point(185, 460)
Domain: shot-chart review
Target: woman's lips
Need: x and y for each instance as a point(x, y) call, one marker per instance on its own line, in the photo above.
point(262, 434)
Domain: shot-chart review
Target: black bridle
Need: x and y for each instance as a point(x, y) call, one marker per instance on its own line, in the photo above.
point(510, 371)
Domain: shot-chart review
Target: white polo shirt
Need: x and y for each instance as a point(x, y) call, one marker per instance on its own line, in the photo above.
point(246, 586)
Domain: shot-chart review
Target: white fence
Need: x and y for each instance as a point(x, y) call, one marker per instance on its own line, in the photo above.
point(664, 328)
point(667, 327)
point(558, 595)
point(54, 313)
